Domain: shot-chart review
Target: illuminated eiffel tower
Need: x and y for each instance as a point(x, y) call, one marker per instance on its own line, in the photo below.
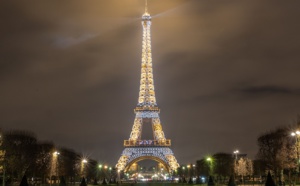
point(147, 112)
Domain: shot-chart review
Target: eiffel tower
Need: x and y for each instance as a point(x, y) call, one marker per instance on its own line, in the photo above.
point(147, 112)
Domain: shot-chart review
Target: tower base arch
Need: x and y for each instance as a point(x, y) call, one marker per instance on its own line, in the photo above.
point(163, 155)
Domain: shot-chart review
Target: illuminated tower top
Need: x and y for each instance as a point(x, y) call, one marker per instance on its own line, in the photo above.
point(146, 7)
point(147, 100)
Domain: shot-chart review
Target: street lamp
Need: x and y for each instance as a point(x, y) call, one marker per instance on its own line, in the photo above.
point(109, 173)
point(55, 154)
point(194, 169)
point(209, 160)
point(188, 167)
point(235, 161)
point(297, 134)
point(83, 162)
point(99, 172)
point(55, 163)
point(183, 171)
point(236, 153)
point(119, 179)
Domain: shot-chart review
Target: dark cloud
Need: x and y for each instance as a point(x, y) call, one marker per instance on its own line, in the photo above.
point(224, 72)
point(267, 90)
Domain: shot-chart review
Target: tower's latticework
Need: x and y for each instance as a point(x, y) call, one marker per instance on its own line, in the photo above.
point(136, 148)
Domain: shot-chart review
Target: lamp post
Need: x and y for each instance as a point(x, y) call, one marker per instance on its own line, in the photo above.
point(54, 166)
point(119, 179)
point(236, 153)
point(183, 170)
point(235, 161)
point(83, 169)
point(100, 168)
point(189, 173)
point(105, 171)
point(110, 173)
point(296, 134)
point(194, 169)
point(210, 181)
point(209, 160)
point(55, 155)
point(99, 171)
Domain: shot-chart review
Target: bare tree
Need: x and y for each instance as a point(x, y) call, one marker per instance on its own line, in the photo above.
point(43, 159)
point(244, 167)
point(277, 150)
point(223, 165)
point(202, 167)
point(70, 163)
point(20, 152)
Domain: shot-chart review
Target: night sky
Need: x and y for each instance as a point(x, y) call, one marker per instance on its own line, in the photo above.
point(225, 72)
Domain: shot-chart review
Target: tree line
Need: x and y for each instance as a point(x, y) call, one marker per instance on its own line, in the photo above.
point(278, 153)
point(21, 153)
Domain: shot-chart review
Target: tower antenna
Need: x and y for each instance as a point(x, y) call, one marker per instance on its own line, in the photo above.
point(146, 6)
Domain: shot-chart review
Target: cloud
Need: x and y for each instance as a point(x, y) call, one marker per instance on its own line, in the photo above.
point(267, 90)
point(63, 42)
point(267, 94)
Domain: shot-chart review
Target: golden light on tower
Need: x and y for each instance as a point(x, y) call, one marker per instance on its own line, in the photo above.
point(136, 148)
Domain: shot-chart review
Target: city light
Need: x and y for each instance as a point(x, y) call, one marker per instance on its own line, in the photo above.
point(295, 133)
point(84, 161)
point(236, 152)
